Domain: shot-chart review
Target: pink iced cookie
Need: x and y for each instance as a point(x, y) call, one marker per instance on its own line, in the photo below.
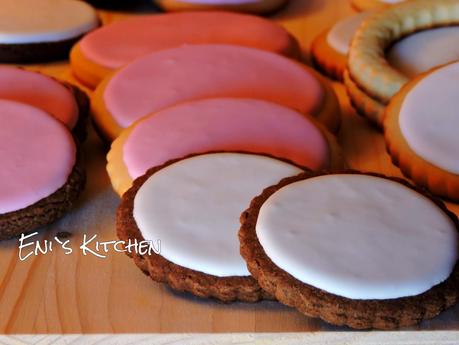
point(39, 91)
point(117, 44)
point(220, 124)
point(178, 75)
point(37, 155)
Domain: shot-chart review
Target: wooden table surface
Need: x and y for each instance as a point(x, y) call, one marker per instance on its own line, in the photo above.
point(59, 293)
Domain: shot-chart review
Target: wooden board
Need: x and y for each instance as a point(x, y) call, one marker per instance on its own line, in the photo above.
point(58, 293)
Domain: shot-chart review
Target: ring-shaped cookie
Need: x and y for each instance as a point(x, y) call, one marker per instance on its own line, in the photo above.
point(367, 63)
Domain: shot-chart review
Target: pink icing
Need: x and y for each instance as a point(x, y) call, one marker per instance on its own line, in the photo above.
point(173, 76)
point(228, 125)
point(37, 155)
point(116, 44)
point(39, 91)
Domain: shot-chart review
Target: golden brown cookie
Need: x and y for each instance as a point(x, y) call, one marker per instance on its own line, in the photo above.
point(420, 130)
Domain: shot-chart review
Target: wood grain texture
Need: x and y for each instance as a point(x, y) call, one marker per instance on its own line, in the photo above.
point(58, 293)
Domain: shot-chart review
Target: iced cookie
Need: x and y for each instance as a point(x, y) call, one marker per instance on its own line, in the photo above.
point(421, 131)
point(112, 46)
point(65, 102)
point(221, 124)
point(169, 77)
point(373, 78)
point(329, 50)
point(363, 5)
point(39, 176)
point(42, 30)
point(353, 249)
point(192, 207)
point(250, 6)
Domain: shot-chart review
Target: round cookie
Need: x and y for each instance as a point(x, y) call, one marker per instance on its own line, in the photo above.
point(371, 78)
point(39, 177)
point(198, 235)
point(363, 5)
point(376, 252)
point(329, 50)
point(250, 6)
point(42, 30)
point(113, 46)
point(169, 77)
point(420, 130)
point(63, 101)
point(221, 124)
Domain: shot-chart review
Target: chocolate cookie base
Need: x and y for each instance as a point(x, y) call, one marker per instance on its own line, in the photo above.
point(44, 211)
point(36, 52)
point(337, 310)
point(82, 100)
point(224, 289)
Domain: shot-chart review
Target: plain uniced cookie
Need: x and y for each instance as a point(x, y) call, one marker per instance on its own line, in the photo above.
point(361, 250)
point(250, 6)
point(420, 130)
point(66, 102)
point(169, 77)
point(220, 124)
point(40, 176)
point(42, 30)
point(172, 203)
point(112, 46)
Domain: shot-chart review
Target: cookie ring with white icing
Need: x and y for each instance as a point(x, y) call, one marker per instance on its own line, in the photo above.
point(338, 310)
point(249, 6)
point(367, 63)
point(225, 288)
point(42, 30)
point(425, 168)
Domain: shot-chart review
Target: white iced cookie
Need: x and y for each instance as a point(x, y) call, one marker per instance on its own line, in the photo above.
point(424, 50)
point(193, 206)
point(358, 236)
point(28, 25)
point(429, 118)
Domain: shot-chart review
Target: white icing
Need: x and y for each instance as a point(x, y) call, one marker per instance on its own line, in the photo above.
point(358, 236)
point(424, 50)
point(34, 21)
point(193, 208)
point(429, 118)
point(340, 35)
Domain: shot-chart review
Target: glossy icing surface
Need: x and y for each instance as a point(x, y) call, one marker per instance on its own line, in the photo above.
point(116, 44)
point(429, 118)
point(358, 236)
point(424, 50)
point(173, 76)
point(224, 125)
point(193, 208)
point(37, 154)
point(39, 91)
point(25, 21)
point(340, 35)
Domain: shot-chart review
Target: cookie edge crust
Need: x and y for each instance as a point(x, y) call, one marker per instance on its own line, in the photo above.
point(337, 310)
point(161, 270)
point(46, 210)
point(437, 180)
